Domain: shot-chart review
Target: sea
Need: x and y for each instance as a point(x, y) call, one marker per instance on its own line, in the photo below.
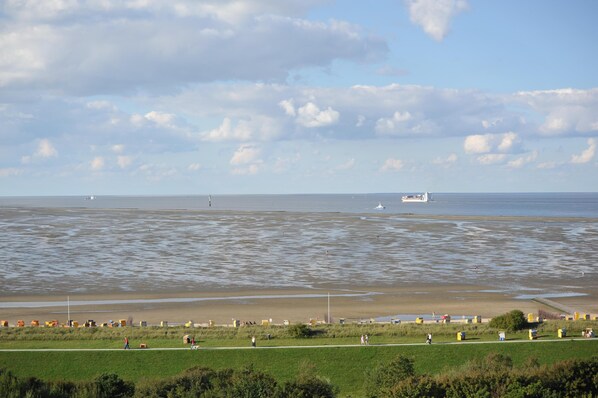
point(540, 244)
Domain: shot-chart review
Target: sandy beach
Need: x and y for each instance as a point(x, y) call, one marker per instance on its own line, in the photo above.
point(295, 305)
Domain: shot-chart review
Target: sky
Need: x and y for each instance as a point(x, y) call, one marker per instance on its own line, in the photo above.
point(178, 97)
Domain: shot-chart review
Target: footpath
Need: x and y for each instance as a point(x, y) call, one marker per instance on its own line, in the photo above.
point(294, 346)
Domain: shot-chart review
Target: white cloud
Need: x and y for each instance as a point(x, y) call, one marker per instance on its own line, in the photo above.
point(246, 154)
point(161, 118)
point(508, 142)
point(477, 143)
point(548, 165)
point(288, 106)
point(194, 167)
point(137, 120)
point(10, 172)
point(501, 143)
point(284, 163)
point(232, 11)
point(118, 148)
point(124, 161)
point(434, 16)
point(155, 172)
point(97, 163)
point(101, 105)
point(448, 161)
point(565, 111)
point(257, 127)
point(45, 149)
point(523, 160)
point(226, 132)
point(310, 115)
point(248, 170)
point(392, 165)
point(395, 124)
point(491, 158)
point(100, 47)
point(360, 121)
point(348, 165)
point(491, 123)
point(587, 155)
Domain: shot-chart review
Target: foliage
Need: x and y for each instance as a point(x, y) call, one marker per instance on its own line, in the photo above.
point(496, 377)
point(315, 387)
point(512, 321)
point(109, 385)
point(299, 331)
point(383, 377)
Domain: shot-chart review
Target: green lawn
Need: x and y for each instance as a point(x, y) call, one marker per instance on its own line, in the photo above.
point(344, 366)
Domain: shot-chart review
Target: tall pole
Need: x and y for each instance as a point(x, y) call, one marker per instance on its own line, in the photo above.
point(68, 310)
point(329, 308)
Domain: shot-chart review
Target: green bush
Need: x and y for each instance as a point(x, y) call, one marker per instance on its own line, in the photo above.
point(314, 387)
point(299, 331)
point(511, 321)
point(198, 381)
point(381, 379)
point(250, 383)
point(109, 385)
point(424, 386)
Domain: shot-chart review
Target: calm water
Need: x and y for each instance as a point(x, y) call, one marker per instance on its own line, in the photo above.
point(54, 245)
point(498, 204)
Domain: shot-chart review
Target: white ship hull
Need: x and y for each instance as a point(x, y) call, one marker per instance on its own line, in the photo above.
point(424, 198)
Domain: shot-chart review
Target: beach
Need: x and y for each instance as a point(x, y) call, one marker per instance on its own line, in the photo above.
point(360, 304)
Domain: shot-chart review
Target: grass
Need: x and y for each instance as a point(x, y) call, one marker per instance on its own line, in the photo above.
point(344, 366)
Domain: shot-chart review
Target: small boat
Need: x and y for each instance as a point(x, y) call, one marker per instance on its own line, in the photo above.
point(380, 206)
point(423, 198)
point(90, 197)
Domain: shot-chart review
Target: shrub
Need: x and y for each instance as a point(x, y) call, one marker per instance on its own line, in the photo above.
point(250, 383)
point(313, 387)
point(109, 385)
point(381, 379)
point(424, 386)
point(512, 321)
point(193, 382)
point(575, 377)
point(299, 331)
point(308, 384)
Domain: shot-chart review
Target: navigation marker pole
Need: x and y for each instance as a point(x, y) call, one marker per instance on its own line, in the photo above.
point(68, 310)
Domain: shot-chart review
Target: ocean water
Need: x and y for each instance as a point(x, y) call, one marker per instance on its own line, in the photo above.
point(486, 204)
point(57, 245)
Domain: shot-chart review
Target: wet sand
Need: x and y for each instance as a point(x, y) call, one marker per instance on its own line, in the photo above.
point(416, 265)
point(295, 305)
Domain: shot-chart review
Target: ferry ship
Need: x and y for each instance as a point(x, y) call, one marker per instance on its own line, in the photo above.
point(423, 198)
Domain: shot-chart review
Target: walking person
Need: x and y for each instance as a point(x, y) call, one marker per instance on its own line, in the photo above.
point(253, 341)
point(367, 339)
point(127, 343)
point(192, 343)
point(429, 338)
point(362, 340)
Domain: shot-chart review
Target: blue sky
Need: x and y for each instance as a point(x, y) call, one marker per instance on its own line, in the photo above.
point(144, 97)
